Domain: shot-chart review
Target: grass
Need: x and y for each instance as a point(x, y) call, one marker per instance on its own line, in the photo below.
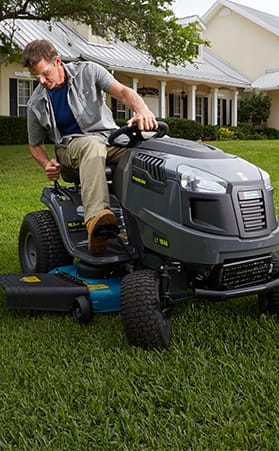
point(67, 387)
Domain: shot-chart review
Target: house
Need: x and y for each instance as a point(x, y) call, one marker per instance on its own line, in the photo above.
point(244, 54)
point(249, 40)
point(206, 91)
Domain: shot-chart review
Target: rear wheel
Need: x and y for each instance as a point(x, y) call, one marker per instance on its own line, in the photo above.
point(146, 320)
point(269, 302)
point(40, 245)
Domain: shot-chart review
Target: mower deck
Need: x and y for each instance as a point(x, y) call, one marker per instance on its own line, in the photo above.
point(57, 291)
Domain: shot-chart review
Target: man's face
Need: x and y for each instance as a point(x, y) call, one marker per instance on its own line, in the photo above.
point(50, 74)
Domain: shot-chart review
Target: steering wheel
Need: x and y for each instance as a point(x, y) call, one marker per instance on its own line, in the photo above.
point(132, 135)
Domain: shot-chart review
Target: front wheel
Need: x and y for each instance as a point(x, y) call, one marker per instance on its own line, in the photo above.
point(269, 302)
point(146, 320)
point(82, 310)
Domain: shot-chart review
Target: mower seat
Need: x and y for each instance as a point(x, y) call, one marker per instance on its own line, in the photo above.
point(71, 175)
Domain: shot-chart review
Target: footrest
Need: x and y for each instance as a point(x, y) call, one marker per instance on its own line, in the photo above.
point(44, 291)
point(107, 231)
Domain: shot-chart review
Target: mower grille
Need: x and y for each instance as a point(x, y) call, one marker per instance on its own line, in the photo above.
point(153, 165)
point(248, 272)
point(252, 212)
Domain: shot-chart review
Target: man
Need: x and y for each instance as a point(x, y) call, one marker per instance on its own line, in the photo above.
point(68, 105)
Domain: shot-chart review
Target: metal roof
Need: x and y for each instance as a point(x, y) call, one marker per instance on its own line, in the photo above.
point(124, 57)
point(268, 81)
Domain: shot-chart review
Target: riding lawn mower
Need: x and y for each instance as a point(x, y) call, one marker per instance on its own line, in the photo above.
point(192, 222)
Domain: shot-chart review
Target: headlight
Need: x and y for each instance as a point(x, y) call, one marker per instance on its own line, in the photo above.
point(193, 179)
point(266, 178)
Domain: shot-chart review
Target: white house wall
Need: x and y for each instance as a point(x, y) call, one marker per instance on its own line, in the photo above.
point(243, 43)
point(6, 72)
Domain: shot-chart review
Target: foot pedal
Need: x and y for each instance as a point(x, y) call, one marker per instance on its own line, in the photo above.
point(107, 231)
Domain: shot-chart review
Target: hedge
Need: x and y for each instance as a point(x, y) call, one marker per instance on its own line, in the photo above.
point(13, 130)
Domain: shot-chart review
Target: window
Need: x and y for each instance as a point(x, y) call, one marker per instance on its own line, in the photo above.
point(202, 110)
point(20, 91)
point(120, 110)
point(176, 105)
point(24, 92)
point(197, 46)
point(222, 112)
point(199, 109)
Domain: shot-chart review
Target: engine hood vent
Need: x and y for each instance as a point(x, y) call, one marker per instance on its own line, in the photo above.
point(151, 164)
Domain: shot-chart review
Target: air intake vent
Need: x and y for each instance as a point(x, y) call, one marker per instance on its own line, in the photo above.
point(153, 165)
point(252, 211)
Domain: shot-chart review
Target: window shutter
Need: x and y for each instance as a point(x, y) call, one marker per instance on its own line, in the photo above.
point(205, 110)
point(13, 96)
point(224, 112)
point(171, 105)
point(185, 107)
point(114, 107)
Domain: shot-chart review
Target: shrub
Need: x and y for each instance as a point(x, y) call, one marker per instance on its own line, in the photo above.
point(121, 122)
point(225, 134)
point(210, 131)
point(13, 130)
point(184, 128)
point(254, 108)
point(270, 133)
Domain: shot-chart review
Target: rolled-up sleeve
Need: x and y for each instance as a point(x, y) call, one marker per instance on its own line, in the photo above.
point(36, 133)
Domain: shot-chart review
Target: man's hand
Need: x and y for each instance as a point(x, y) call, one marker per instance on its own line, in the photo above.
point(145, 121)
point(52, 169)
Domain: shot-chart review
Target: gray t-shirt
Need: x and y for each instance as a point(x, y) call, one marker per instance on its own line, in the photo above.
point(87, 84)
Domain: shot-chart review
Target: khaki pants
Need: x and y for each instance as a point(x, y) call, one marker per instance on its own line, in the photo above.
point(90, 154)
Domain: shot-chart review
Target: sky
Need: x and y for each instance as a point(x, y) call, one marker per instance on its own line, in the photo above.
point(183, 8)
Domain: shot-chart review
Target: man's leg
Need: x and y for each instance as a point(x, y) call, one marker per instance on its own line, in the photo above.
point(89, 154)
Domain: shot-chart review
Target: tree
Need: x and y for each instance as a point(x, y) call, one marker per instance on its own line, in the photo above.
point(255, 108)
point(150, 24)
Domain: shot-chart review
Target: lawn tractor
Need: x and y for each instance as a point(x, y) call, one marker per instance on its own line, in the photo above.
point(192, 222)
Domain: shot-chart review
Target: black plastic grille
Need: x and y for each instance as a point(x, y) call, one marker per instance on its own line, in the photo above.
point(247, 272)
point(153, 165)
point(252, 212)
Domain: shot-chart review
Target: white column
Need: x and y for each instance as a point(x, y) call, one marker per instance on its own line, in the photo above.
point(135, 88)
point(234, 109)
point(162, 99)
point(193, 89)
point(214, 106)
point(135, 84)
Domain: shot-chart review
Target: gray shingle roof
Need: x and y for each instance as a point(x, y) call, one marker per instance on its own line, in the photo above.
point(124, 57)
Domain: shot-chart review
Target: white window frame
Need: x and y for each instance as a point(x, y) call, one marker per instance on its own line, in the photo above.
point(121, 110)
point(24, 91)
point(200, 109)
point(177, 105)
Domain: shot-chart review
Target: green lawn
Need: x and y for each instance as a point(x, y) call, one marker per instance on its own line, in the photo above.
point(67, 387)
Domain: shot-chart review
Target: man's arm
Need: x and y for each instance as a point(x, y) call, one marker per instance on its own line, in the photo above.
point(143, 116)
point(51, 167)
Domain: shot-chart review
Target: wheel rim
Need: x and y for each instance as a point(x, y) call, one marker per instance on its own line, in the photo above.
point(30, 251)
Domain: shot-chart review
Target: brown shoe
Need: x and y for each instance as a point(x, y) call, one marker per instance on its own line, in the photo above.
point(96, 245)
